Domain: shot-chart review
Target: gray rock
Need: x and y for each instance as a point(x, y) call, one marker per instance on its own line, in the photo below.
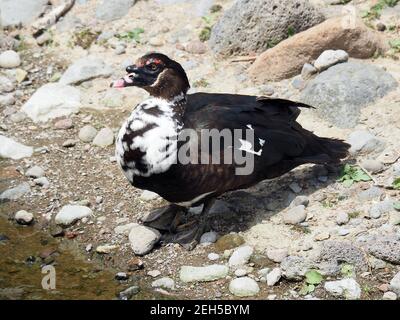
point(106, 248)
point(104, 138)
point(154, 273)
point(16, 192)
point(35, 172)
point(334, 253)
point(109, 10)
point(342, 218)
point(294, 186)
point(7, 100)
point(294, 267)
point(377, 209)
point(13, 13)
point(72, 213)
point(7, 42)
point(87, 133)
point(298, 83)
point(240, 256)
point(51, 101)
point(23, 217)
point(300, 200)
point(363, 142)
point(129, 293)
point(277, 255)
point(373, 166)
point(340, 92)
point(308, 71)
point(209, 237)
point(295, 215)
point(274, 276)
point(395, 284)
point(343, 232)
point(85, 69)
point(18, 117)
point(9, 59)
point(348, 288)
point(164, 283)
point(386, 248)
point(200, 274)
point(113, 99)
point(329, 58)
point(244, 287)
point(372, 193)
point(9, 148)
point(256, 25)
point(143, 239)
point(6, 85)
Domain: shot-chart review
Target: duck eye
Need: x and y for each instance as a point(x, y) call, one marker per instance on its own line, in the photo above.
point(152, 66)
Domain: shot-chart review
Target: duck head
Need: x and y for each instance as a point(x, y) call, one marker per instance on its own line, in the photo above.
point(159, 75)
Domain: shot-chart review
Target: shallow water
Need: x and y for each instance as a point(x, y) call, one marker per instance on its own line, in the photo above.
point(26, 252)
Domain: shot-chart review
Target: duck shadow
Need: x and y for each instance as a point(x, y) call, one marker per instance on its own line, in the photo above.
point(239, 210)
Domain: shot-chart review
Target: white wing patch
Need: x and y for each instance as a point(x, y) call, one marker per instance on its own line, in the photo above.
point(248, 147)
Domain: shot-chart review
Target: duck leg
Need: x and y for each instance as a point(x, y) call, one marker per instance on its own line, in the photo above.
point(187, 232)
point(164, 219)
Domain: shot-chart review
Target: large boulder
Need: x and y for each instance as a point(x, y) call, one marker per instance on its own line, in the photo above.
point(16, 12)
point(287, 58)
point(85, 69)
point(109, 10)
point(52, 101)
point(344, 89)
point(256, 25)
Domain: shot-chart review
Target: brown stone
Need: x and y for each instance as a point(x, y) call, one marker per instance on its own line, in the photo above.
point(287, 58)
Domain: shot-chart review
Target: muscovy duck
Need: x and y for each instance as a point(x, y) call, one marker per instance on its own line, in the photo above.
point(148, 144)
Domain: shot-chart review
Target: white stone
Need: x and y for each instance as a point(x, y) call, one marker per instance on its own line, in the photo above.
point(240, 272)
point(143, 239)
point(42, 181)
point(240, 256)
point(106, 249)
point(87, 133)
point(389, 296)
point(9, 148)
point(9, 59)
point(199, 274)
point(213, 256)
point(85, 69)
point(164, 283)
point(125, 229)
point(104, 138)
point(209, 237)
point(328, 58)
point(7, 100)
point(51, 101)
point(149, 195)
point(395, 284)
point(35, 172)
point(342, 218)
point(6, 85)
point(277, 255)
point(23, 217)
point(71, 213)
point(348, 288)
point(274, 276)
point(154, 273)
point(244, 287)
